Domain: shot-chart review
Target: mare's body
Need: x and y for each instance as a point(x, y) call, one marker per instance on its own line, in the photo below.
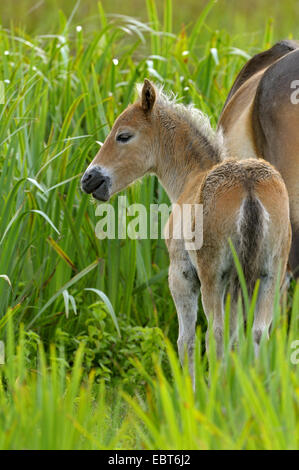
point(261, 119)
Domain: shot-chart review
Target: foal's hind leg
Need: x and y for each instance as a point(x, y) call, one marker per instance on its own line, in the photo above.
point(211, 299)
point(184, 287)
point(264, 311)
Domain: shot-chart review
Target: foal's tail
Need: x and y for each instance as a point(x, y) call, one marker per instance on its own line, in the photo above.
point(252, 225)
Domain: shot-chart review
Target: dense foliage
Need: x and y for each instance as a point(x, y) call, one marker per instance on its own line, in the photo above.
point(60, 285)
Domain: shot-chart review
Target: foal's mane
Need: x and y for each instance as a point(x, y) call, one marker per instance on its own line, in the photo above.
point(211, 139)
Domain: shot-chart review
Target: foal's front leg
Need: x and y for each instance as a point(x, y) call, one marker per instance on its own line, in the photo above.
point(184, 286)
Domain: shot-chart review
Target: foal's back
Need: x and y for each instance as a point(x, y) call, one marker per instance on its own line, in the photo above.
point(246, 201)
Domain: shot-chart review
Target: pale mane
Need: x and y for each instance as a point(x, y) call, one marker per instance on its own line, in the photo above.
point(194, 116)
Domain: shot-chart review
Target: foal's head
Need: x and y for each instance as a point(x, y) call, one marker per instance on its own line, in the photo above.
point(128, 151)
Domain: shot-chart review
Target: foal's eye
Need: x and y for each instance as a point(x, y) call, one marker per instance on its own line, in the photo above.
point(124, 137)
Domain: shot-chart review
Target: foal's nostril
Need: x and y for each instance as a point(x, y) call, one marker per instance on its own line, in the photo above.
point(86, 177)
point(92, 179)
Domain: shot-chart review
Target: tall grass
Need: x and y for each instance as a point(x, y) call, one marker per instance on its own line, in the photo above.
point(245, 19)
point(62, 94)
point(60, 285)
point(239, 403)
point(48, 408)
point(242, 402)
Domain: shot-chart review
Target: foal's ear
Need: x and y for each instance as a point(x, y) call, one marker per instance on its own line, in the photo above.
point(148, 96)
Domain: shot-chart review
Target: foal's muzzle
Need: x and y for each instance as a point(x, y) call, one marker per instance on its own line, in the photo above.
point(93, 181)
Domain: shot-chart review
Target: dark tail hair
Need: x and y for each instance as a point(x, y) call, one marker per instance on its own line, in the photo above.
point(251, 227)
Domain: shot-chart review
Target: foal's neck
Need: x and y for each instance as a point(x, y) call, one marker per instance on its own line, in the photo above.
point(184, 151)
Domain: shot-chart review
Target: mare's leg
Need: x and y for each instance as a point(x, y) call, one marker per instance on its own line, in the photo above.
point(294, 253)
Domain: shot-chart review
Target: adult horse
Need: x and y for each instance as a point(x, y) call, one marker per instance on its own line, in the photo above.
point(260, 118)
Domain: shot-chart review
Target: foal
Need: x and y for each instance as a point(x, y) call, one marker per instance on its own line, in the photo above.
point(246, 201)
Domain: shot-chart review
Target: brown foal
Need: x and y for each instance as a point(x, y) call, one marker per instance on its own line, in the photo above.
point(245, 201)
